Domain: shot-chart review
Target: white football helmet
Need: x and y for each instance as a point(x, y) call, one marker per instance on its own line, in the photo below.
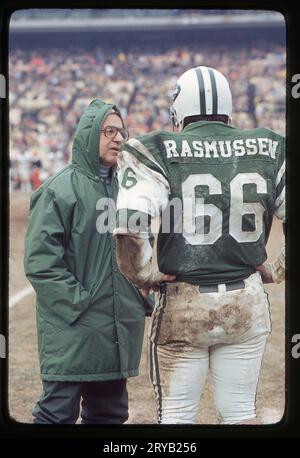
point(200, 91)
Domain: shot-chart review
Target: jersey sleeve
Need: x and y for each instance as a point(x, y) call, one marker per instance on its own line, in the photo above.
point(277, 267)
point(143, 190)
point(280, 184)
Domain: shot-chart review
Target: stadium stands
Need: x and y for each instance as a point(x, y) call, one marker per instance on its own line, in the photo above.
point(50, 88)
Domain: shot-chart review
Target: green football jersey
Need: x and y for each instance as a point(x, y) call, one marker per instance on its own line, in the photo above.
point(216, 189)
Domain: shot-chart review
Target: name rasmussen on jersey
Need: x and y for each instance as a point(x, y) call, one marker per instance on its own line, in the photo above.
point(221, 148)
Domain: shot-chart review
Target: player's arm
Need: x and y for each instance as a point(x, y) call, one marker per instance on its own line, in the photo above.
point(143, 194)
point(134, 257)
point(274, 272)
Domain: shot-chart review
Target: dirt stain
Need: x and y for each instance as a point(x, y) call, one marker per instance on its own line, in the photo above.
point(230, 317)
point(132, 258)
point(194, 318)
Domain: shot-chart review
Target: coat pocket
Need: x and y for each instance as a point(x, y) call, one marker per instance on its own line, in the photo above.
point(95, 289)
point(54, 340)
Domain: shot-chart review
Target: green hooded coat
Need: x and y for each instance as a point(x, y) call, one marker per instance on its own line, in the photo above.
point(90, 319)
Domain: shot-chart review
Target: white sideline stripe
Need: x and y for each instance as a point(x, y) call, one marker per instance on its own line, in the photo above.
point(20, 295)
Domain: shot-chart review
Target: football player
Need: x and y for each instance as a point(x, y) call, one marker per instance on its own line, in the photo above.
point(216, 189)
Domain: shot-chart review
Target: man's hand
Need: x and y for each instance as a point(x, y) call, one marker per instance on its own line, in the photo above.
point(265, 272)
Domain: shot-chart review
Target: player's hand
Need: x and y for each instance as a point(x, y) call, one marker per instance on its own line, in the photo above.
point(162, 279)
point(265, 273)
point(144, 292)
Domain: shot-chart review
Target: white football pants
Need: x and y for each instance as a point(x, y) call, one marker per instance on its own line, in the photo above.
point(193, 332)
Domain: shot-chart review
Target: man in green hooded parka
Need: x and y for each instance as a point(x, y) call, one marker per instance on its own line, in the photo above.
point(90, 319)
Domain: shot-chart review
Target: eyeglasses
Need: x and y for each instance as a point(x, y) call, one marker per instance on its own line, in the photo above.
point(112, 131)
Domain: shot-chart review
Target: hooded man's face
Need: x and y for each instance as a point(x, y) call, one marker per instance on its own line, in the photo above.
point(110, 147)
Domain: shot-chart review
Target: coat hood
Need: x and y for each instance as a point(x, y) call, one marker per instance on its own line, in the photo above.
point(85, 150)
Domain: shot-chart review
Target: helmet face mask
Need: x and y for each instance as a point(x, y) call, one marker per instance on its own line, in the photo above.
point(200, 91)
point(173, 117)
point(172, 109)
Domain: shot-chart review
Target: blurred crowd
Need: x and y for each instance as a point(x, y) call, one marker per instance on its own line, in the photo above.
point(50, 88)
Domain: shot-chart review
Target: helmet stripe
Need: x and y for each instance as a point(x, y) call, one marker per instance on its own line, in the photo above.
point(201, 90)
point(214, 91)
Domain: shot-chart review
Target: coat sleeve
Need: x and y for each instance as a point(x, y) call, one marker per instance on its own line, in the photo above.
point(55, 285)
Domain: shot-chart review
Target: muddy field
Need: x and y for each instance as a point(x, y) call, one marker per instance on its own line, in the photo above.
point(24, 382)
